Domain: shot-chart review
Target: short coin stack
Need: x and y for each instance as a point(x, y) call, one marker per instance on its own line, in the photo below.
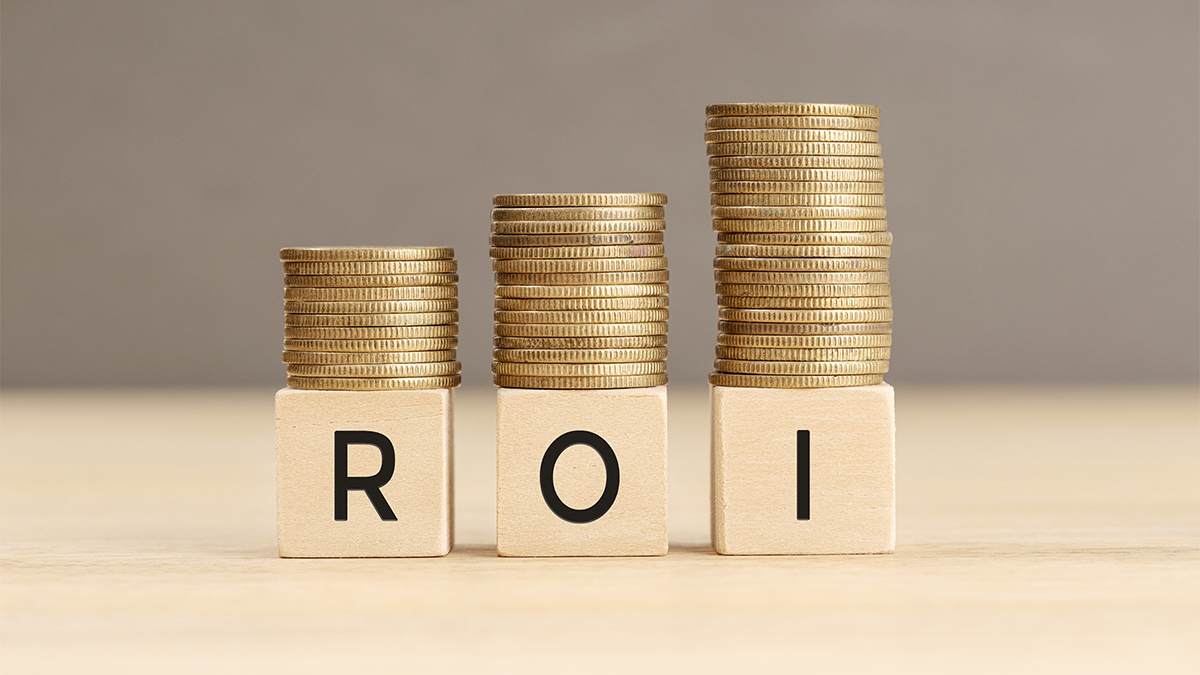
point(581, 291)
point(370, 319)
point(802, 245)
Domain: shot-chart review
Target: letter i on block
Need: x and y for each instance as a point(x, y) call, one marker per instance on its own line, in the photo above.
point(799, 471)
point(364, 473)
point(581, 472)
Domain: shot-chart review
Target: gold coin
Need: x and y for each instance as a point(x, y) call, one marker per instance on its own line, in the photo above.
point(805, 341)
point(849, 354)
point(368, 332)
point(792, 251)
point(801, 278)
point(374, 383)
point(376, 369)
point(578, 265)
point(581, 213)
point(578, 369)
point(567, 343)
point(797, 175)
point(368, 306)
point(806, 238)
point(871, 302)
point(583, 278)
point(559, 252)
point(800, 367)
point(386, 267)
point(555, 240)
point(442, 320)
point(788, 187)
point(577, 304)
point(588, 227)
point(795, 162)
point(371, 294)
point(791, 122)
point(764, 199)
point(343, 358)
point(579, 355)
point(613, 382)
point(582, 316)
point(801, 212)
point(813, 226)
point(791, 135)
point(412, 345)
point(792, 381)
point(369, 280)
point(581, 199)
point(764, 328)
point(790, 148)
point(801, 264)
point(806, 315)
point(601, 291)
point(803, 290)
point(579, 330)
point(366, 253)
point(823, 109)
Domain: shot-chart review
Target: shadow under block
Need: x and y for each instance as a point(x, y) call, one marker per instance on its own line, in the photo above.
point(766, 499)
point(581, 472)
point(333, 451)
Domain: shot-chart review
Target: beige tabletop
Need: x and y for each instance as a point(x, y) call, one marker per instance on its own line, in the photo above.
point(1039, 530)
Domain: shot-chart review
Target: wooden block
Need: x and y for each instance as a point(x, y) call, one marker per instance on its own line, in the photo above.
point(364, 473)
point(768, 498)
point(581, 473)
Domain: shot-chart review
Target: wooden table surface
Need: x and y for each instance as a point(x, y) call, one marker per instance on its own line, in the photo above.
point(1040, 530)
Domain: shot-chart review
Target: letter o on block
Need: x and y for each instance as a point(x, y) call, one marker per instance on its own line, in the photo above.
point(612, 473)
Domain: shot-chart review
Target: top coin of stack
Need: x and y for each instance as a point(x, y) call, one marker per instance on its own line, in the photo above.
point(802, 245)
point(581, 291)
point(370, 319)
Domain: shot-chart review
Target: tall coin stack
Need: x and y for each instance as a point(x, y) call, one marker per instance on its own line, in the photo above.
point(802, 245)
point(370, 319)
point(581, 291)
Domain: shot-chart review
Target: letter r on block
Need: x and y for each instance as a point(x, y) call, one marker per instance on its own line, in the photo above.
point(343, 483)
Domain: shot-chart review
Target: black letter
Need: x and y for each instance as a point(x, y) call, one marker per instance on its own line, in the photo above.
point(612, 477)
point(802, 471)
point(342, 483)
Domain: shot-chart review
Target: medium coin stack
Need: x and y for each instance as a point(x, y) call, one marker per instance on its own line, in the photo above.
point(370, 319)
point(802, 245)
point(581, 291)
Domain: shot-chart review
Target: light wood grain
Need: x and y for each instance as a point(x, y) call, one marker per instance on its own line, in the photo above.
point(1049, 530)
point(850, 490)
point(418, 493)
point(632, 422)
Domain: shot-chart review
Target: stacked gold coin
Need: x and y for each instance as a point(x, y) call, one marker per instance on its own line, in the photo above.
point(581, 291)
point(802, 245)
point(370, 319)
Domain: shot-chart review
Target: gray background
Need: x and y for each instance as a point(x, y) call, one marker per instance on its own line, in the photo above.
point(1043, 167)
